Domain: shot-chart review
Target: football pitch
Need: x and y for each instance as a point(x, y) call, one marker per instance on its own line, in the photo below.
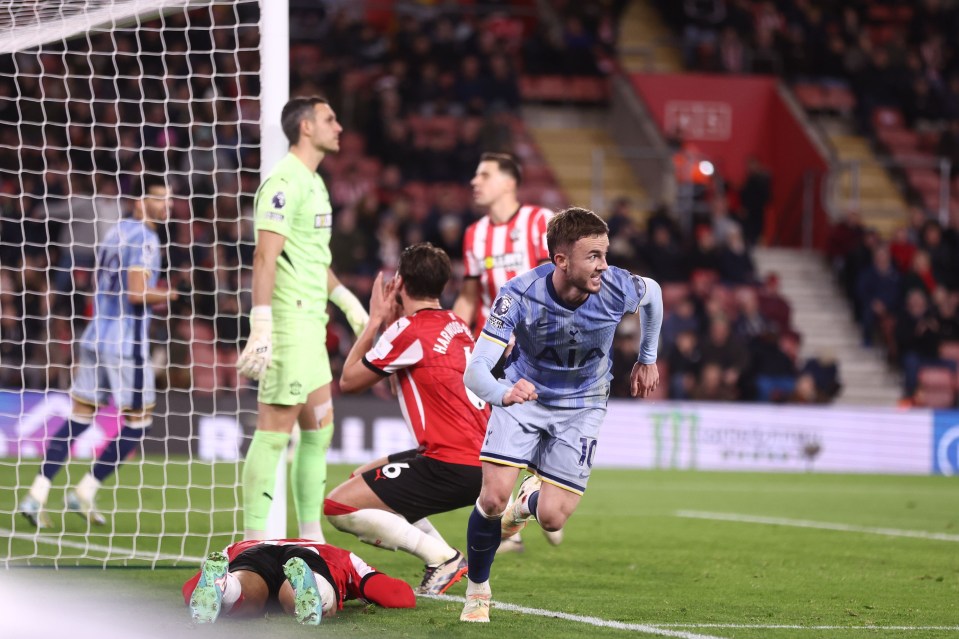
point(648, 553)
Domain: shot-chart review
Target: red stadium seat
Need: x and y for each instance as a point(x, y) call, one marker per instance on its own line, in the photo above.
point(936, 378)
point(887, 116)
point(898, 138)
point(674, 293)
point(839, 98)
point(950, 350)
point(809, 95)
point(937, 398)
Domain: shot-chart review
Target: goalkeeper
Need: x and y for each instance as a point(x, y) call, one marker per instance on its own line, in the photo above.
point(292, 283)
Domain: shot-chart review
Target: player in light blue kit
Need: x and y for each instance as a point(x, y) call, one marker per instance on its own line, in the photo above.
point(114, 354)
point(563, 317)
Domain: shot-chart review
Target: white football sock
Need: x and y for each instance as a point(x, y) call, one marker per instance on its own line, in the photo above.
point(388, 530)
point(312, 530)
point(231, 591)
point(473, 588)
point(427, 527)
point(40, 489)
point(88, 487)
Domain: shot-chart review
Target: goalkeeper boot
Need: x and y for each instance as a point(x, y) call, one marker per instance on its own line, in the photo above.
point(32, 510)
point(84, 508)
point(207, 597)
point(513, 519)
point(438, 579)
point(476, 609)
point(307, 603)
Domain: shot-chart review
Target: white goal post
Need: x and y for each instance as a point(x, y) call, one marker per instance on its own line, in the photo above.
point(93, 94)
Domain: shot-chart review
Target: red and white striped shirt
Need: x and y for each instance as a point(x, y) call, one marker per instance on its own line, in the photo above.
point(428, 351)
point(496, 253)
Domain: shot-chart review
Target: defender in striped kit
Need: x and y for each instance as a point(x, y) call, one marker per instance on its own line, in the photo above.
point(508, 241)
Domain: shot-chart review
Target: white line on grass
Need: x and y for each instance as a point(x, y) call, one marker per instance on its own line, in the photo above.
point(592, 621)
point(49, 540)
point(822, 525)
point(747, 626)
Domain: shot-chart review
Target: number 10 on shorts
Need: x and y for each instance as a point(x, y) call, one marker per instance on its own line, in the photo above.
point(589, 451)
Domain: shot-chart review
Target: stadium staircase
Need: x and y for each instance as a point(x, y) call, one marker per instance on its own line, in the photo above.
point(822, 315)
point(880, 202)
point(645, 43)
point(567, 137)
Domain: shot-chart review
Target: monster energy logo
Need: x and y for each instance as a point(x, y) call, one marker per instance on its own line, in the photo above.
point(668, 431)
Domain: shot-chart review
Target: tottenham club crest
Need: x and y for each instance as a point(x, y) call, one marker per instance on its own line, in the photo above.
point(501, 305)
point(279, 200)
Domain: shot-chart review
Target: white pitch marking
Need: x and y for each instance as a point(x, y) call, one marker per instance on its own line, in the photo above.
point(747, 626)
point(822, 525)
point(592, 621)
point(41, 538)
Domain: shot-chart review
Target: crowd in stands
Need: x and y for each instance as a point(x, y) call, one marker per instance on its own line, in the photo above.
point(905, 293)
point(420, 103)
point(889, 65)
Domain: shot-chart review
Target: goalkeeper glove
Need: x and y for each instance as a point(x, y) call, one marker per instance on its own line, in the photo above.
point(255, 358)
point(356, 315)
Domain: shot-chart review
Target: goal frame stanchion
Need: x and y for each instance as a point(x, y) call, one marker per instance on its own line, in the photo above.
point(274, 93)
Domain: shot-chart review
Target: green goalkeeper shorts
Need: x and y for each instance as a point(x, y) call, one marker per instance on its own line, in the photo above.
point(300, 362)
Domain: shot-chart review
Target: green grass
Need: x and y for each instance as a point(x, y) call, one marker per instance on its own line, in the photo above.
point(627, 557)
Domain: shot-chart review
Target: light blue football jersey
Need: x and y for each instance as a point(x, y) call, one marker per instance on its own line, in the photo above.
point(565, 352)
point(119, 328)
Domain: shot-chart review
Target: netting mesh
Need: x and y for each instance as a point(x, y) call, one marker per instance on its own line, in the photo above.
point(94, 94)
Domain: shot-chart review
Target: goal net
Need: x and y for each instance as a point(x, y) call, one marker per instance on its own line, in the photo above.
point(94, 94)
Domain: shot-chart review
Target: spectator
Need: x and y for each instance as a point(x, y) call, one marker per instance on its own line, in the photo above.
point(725, 350)
point(878, 291)
point(684, 362)
point(917, 339)
point(754, 197)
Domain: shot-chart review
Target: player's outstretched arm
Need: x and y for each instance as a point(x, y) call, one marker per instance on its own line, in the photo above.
point(346, 301)
point(256, 357)
point(644, 378)
point(387, 591)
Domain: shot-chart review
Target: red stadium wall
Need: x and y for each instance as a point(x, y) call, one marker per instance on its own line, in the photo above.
point(732, 118)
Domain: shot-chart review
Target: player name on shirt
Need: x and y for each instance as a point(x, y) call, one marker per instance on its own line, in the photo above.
point(447, 334)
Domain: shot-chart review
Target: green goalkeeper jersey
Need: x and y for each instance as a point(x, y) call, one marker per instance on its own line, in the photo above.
point(293, 201)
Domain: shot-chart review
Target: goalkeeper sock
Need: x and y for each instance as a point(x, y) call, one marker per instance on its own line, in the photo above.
point(59, 447)
point(483, 537)
point(309, 480)
point(259, 477)
point(118, 450)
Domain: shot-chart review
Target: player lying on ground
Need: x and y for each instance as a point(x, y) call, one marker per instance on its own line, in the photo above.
point(427, 348)
point(306, 578)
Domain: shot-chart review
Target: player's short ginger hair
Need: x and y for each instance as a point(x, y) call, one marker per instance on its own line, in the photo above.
point(571, 225)
point(425, 270)
point(295, 111)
